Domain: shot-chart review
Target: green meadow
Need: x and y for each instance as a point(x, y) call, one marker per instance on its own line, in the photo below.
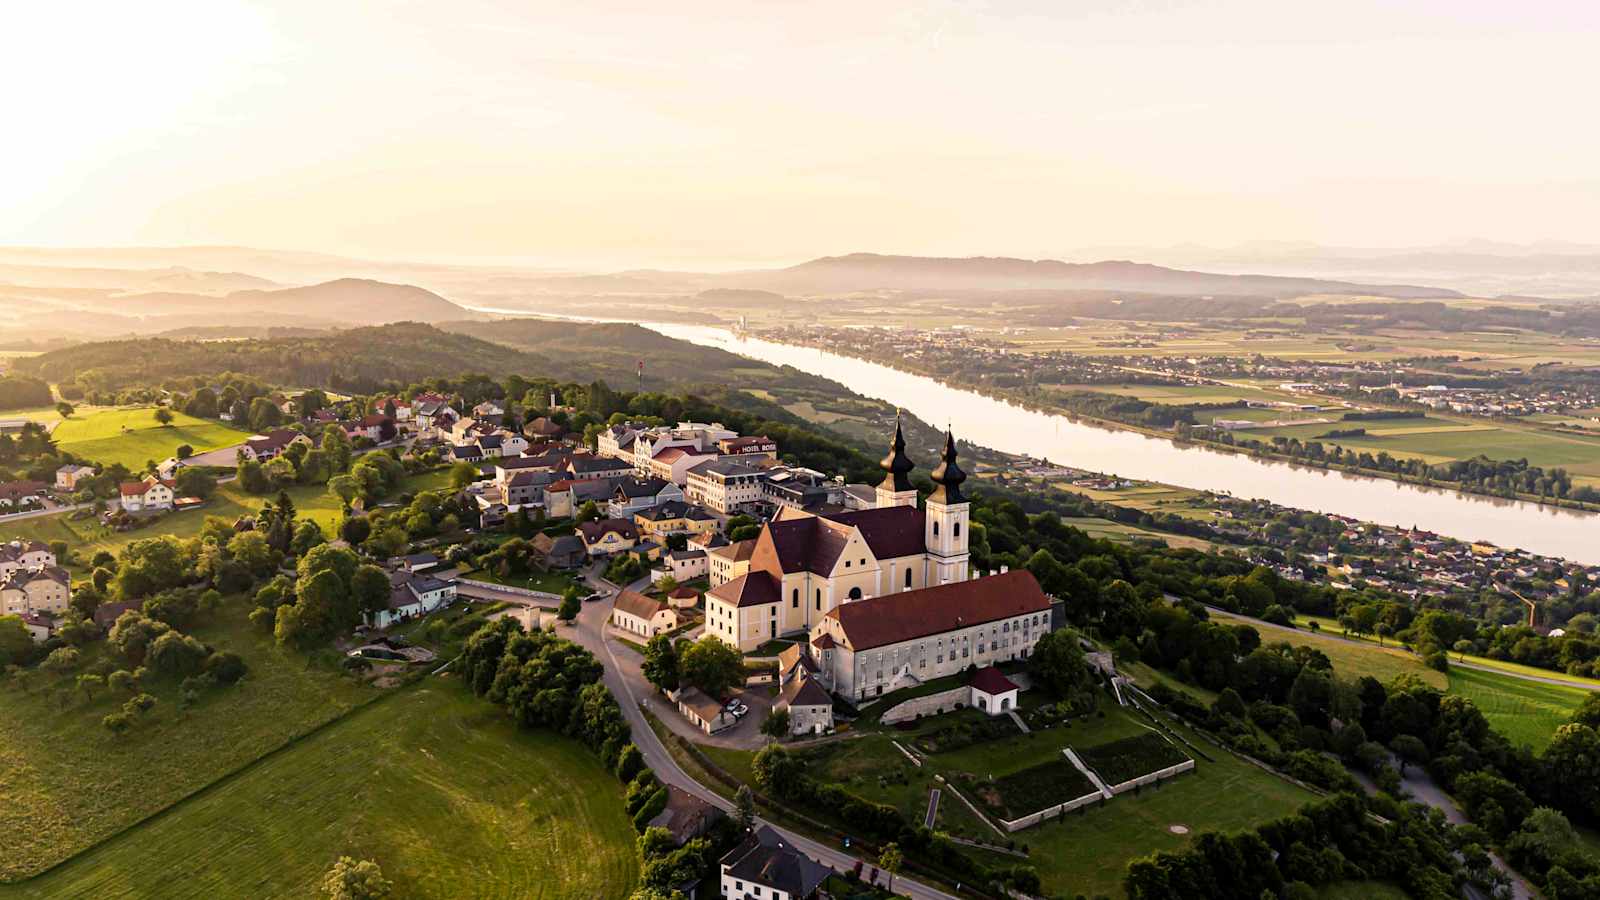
point(133, 437)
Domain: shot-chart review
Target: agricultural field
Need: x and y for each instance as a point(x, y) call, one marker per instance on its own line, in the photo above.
point(133, 437)
point(436, 785)
point(86, 536)
point(70, 783)
point(1439, 439)
point(1117, 531)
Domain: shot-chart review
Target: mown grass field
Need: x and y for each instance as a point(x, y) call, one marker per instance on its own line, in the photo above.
point(1088, 853)
point(1084, 854)
point(436, 785)
point(67, 782)
point(86, 536)
point(133, 436)
point(1527, 712)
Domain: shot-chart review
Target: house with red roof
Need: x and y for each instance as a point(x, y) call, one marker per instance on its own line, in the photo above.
point(150, 495)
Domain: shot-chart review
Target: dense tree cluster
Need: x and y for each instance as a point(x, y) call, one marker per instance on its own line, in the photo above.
point(1330, 841)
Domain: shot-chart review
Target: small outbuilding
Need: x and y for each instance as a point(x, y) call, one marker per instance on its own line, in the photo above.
point(992, 692)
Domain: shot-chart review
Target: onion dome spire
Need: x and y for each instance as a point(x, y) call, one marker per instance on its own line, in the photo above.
point(948, 476)
point(897, 464)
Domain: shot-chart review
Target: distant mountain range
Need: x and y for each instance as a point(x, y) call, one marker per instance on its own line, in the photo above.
point(874, 272)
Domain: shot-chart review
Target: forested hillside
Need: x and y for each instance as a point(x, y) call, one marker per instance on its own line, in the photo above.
point(360, 359)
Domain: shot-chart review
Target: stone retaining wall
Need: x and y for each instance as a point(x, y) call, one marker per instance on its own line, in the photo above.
point(944, 701)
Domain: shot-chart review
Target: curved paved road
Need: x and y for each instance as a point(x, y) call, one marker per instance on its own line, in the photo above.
point(589, 631)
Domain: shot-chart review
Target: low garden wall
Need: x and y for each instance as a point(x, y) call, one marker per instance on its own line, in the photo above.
point(507, 589)
point(1053, 812)
point(1152, 777)
point(932, 704)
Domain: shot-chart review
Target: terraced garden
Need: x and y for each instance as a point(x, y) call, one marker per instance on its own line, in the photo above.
point(1130, 758)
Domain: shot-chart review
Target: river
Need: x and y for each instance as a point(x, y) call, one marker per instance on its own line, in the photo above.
point(1010, 428)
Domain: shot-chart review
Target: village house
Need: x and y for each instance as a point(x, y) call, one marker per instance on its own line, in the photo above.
point(805, 565)
point(488, 409)
point(265, 447)
point(673, 463)
point(41, 589)
point(19, 554)
point(686, 565)
point(402, 407)
point(724, 485)
point(150, 495)
point(765, 867)
point(674, 517)
point(607, 536)
point(541, 428)
point(375, 427)
point(564, 498)
point(705, 713)
point(634, 494)
point(685, 816)
point(68, 476)
point(14, 494)
point(806, 490)
point(39, 626)
point(412, 595)
point(730, 561)
point(564, 552)
point(644, 616)
point(809, 704)
point(525, 487)
point(586, 467)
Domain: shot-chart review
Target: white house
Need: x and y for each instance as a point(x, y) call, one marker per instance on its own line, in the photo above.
point(412, 595)
point(765, 866)
point(645, 616)
point(150, 495)
point(68, 476)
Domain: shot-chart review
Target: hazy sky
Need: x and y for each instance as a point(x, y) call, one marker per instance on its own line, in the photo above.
point(674, 133)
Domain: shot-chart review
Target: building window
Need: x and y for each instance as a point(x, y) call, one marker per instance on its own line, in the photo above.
point(957, 530)
point(1006, 627)
point(794, 598)
point(908, 576)
point(935, 527)
point(847, 564)
point(819, 599)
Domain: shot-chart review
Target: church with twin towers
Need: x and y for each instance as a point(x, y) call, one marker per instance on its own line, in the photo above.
point(881, 597)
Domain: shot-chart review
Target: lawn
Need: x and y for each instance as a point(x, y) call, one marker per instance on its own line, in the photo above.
point(1088, 853)
point(69, 783)
point(549, 582)
point(133, 437)
point(436, 785)
point(1131, 758)
point(86, 536)
point(1526, 712)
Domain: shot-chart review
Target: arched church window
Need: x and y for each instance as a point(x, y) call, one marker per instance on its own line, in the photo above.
point(855, 593)
point(908, 577)
point(935, 527)
point(957, 531)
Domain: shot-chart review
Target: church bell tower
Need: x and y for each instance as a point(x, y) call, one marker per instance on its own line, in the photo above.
point(947, 520)
point(896, 488)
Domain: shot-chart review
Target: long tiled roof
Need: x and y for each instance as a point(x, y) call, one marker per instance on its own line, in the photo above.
point(636, 604)
point(893, 618)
